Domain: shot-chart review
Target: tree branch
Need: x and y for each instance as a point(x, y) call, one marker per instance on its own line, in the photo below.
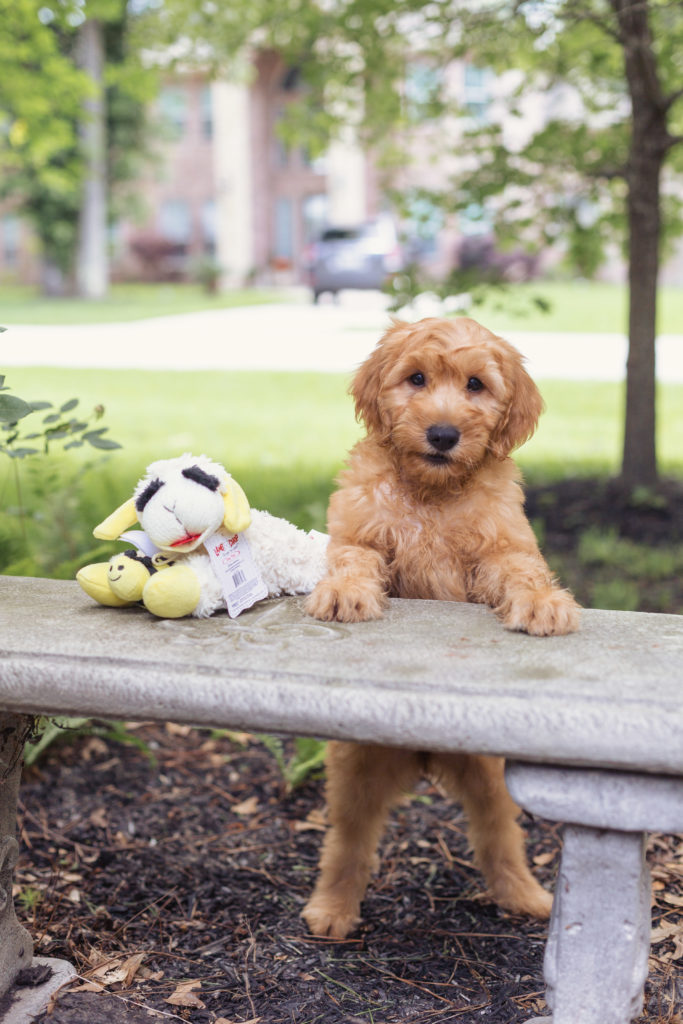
point(672, 98)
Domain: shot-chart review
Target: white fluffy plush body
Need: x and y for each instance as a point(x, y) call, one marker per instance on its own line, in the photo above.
point(183, 502)
point(289, 561)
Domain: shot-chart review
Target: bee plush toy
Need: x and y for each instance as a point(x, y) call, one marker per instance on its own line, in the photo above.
point(201, 547)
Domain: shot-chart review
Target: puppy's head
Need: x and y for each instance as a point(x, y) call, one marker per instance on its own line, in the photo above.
point(443, 394)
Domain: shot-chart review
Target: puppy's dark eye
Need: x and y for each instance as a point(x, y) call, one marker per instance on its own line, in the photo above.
point(474, 384)
point(418, 380)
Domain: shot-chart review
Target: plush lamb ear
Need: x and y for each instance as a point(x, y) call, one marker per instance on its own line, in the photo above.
point(120, 520)
point(524, 407)
point(237, 512)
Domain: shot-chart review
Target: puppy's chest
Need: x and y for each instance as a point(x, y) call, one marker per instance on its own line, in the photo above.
point(427, 554)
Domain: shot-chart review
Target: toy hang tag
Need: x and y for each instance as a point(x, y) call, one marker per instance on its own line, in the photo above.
point(140, 540)
point(235, 569)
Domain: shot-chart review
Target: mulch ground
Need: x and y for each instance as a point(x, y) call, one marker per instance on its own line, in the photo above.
point(175, 886)
point(171, 869)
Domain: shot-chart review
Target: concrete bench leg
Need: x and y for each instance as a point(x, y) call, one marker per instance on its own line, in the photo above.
point(596, 958)
point(19, 1003)
point(16, 948)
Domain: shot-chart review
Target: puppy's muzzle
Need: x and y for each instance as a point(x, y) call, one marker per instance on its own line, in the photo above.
point(442, 437)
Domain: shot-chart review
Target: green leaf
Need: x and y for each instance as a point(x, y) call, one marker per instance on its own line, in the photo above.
point(52, 418)
point(37, 406)
point(68, 406)
point(13, 408)
point(73, 444)
point(102, 442)
point(21, 453)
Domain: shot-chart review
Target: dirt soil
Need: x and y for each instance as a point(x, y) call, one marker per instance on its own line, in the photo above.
point(170, 865)
point(176, 884)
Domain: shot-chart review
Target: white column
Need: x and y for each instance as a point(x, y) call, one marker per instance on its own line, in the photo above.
point(346, 182)
point(232, 168)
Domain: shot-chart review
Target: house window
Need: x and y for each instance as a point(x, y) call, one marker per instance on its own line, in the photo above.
point(422, 89)
point(175, 221)
point(208, 222)
point(206, 112)
point(283, 248)
point(424, 223)
point(173, 109)
point(476, 92)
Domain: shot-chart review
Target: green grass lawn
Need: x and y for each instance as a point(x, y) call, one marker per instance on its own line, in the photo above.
point(282, 435)
point(23, 305)
point(584, 306)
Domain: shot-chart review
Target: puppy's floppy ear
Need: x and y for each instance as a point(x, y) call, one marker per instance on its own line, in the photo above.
point(524, 406)
point(367, 382)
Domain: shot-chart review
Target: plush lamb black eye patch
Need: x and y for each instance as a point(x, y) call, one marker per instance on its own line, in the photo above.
point(200, 477)
point(148, 493)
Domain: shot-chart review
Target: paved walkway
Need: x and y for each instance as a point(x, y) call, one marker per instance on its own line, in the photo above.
point(328, 338)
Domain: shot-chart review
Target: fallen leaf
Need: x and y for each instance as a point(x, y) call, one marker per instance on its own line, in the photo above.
point(249, 806)
point(184, 995)
point(178, 730)
point(132, 965)
point(664, 931)
point(98, 818)
point(313, 822)
point(543, 858)
point(673, 899)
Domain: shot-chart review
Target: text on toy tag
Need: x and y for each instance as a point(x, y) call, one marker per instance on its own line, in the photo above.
point(236, 571)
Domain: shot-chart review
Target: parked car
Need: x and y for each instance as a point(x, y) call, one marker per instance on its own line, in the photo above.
point(479, 252)
point(364, 256)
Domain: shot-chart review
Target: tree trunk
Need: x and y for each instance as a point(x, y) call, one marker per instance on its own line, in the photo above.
point(92, 262)
point(648, 148)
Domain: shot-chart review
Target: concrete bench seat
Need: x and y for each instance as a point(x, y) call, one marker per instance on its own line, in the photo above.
point(591, 725)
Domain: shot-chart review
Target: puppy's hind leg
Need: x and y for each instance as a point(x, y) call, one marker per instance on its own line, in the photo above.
point(478, 783)
point(363, 781)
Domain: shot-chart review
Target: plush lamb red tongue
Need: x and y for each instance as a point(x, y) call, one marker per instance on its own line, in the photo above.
point(190, 538)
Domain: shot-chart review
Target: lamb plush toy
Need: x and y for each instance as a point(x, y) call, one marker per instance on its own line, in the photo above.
point(201, 548)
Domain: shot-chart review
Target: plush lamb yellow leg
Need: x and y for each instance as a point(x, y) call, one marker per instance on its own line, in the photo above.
point(95, 581)
point(173, 593)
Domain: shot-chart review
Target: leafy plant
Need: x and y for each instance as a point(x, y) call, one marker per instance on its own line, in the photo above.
point(46, 732)
point(58, 425)
point(308, 757)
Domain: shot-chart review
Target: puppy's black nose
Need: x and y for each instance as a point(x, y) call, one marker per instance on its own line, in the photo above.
point(443, 436)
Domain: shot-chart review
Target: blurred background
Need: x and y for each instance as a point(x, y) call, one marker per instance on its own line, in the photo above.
point(208, 211)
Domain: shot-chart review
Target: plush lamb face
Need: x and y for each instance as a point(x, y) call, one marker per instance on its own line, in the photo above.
point(180, 503)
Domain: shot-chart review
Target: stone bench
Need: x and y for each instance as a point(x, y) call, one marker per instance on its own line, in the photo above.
point(591, 725)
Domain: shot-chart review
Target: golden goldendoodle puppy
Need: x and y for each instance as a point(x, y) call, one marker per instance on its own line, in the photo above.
point(430, 506)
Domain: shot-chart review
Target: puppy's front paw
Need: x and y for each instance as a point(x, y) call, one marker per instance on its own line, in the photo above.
point(345, 600)
point(548, 612)
point(329, 917)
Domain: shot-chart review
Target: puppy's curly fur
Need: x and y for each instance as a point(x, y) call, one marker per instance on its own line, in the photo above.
point(430, 506)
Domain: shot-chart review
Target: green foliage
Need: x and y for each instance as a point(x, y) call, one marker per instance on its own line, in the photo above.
point(308, 758)
point(47, 732)
point(42, 97)
point(39, 535)
point(55, 426)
